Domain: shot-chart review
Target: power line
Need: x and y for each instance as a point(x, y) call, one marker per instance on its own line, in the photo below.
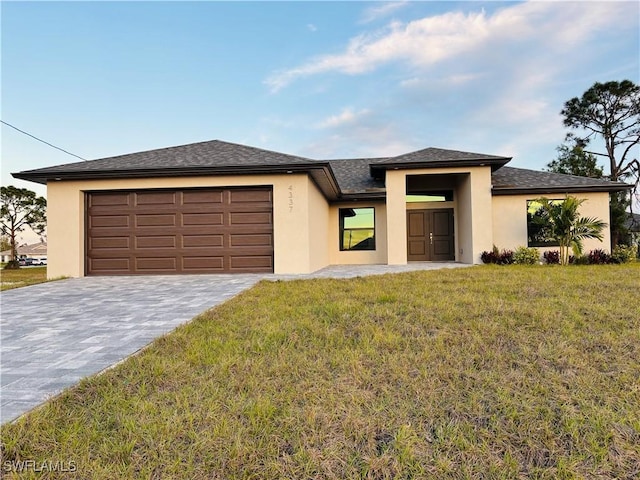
point(40, 140)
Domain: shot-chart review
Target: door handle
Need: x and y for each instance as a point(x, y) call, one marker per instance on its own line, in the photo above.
point(431, 238)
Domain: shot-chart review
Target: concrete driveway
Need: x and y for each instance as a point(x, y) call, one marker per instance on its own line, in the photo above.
point(54, 334)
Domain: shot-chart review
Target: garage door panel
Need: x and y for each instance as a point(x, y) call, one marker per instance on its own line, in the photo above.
point(258, 218)
point(198, 196)
point(109, 199)
point(110, 243)
point(180, 231)
point(240, 240)
point(114, 264)
point(156, 241)
point(155, 263)
point(248, 262)
point(156, 198)
point(154, 220)
point(202, 219)
point(203, 263)
point(202, 241)
point(255, 196)
point(109, 221)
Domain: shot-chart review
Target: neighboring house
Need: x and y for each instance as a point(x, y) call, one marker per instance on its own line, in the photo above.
point(633, 224)
point(220, 207)
point(35, 250)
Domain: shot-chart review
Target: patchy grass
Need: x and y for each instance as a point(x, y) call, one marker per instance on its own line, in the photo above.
point(485, 372)
point(22, 277)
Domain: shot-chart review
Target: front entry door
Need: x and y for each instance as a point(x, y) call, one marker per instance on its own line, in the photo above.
point(430, 235)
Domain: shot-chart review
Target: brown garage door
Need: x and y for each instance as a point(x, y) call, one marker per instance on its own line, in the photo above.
point(180, 231)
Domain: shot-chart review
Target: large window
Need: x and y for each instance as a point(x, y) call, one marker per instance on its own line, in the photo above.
point(536, 232)
point(357, 229)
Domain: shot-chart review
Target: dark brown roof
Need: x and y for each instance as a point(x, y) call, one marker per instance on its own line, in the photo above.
point(354, 178)
point(437, 157)
point(338, 179)
point(205, 158)
point(214, 153)
point(510, 180)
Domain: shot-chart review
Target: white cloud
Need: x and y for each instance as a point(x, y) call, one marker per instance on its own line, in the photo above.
point(311, 27)
point(431, 40)
point(346, 117)
point(382, 10)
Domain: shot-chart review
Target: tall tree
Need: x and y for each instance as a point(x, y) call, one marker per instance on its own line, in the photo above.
point(574, 160)
point(611, 111)
point(561, 222)
point(20, 208)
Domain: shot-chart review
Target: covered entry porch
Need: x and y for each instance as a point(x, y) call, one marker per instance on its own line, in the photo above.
point(439, 215)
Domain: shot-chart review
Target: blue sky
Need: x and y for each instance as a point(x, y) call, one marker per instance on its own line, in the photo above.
point(317, 79)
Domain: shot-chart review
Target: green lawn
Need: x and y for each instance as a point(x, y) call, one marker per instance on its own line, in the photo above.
point(484, 372)
point(22, 277)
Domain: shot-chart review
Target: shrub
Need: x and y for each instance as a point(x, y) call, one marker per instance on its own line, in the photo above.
point(489, 257)
point(579, 260)
point(505, 257)
point(495, 256)
point(624, 253)
point(552, 257)
point(599, 257)
point(526, 256)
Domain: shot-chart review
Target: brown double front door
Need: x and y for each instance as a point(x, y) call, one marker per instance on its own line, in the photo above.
point(430, 235)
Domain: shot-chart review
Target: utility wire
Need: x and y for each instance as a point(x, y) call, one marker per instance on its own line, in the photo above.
point(40, 140)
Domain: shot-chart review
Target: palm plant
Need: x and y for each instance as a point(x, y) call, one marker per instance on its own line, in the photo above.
point(560, 222)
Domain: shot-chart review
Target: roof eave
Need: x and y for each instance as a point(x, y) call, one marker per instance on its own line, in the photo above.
point(494, 163)
point(362, 196)
point(320, 172)
point(559, 190)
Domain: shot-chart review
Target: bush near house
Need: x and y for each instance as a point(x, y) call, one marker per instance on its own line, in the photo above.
point(526, 256)
point(598, 257)
point(624, 253)
point(530, 256)
point(495, 256)
point(552, 257)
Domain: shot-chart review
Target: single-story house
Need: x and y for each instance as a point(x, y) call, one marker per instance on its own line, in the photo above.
point(34, 250)
point(221, 207)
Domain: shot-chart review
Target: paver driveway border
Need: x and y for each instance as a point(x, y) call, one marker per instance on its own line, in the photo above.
point(54, 334)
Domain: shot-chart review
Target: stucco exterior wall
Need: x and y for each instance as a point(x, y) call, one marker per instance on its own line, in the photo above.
point(295, 201)
point(510, 219)
point(358, 257)
point(318, 220)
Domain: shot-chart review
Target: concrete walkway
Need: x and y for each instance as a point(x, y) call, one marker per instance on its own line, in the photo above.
point(54, 334)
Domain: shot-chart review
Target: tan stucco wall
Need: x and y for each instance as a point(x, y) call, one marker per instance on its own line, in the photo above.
point(473, 212)
point(358, 257)
point(318, 221)
point(510, 219)
point(298, 238)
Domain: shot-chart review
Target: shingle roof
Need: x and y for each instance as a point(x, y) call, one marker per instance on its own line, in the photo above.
point(438, 157)
point(214, 157)
point(340, 178)
point(509, 180)
point(353, 176)
point(214, 153)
